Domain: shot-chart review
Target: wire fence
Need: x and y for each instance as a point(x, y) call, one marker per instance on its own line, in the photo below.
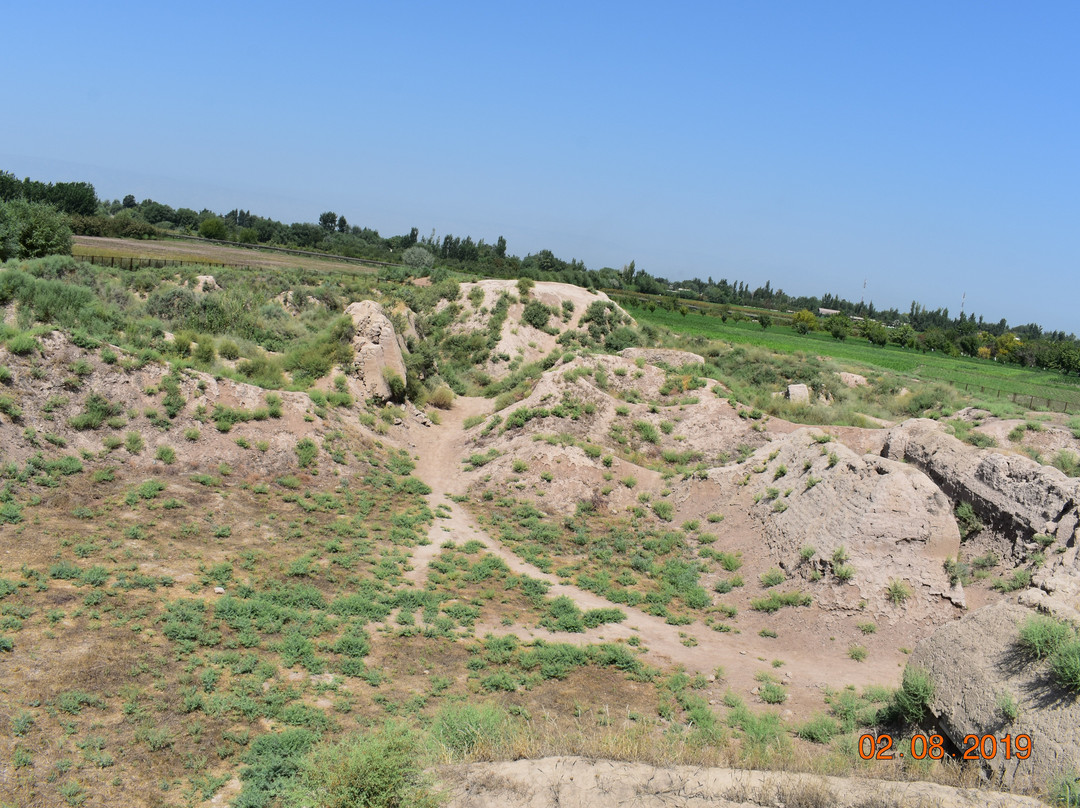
point(1033, 401)
point(133, 262)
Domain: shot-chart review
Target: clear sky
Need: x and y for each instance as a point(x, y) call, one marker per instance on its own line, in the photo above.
point(928, 148)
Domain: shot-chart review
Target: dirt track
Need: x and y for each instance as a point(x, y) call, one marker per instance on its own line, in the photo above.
point(440, 449)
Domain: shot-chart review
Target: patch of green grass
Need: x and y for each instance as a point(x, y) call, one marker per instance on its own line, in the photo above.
point(134, 443)
point(778, 600)
point(772, 577)
point(1020, 579)
point(897, 592)
point(1040, 635)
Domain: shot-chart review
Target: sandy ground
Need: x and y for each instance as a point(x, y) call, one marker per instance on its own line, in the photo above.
point(570, 782)
point(806, 673)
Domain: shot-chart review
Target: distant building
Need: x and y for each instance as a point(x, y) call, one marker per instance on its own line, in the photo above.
point(827, 312)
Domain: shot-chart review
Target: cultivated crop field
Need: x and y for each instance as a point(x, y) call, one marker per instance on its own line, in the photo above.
point(983, 378)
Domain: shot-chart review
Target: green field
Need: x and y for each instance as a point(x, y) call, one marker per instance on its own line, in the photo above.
point(1038, 389)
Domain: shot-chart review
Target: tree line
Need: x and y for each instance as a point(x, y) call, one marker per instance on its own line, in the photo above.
point(918, 327)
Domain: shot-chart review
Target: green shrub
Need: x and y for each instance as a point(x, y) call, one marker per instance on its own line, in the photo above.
point(536, 314)
point(95, 409)
point(272, 760)
point(1065, 790)
point(772, 577)
point(150, 489)
point(647, 431)
point(663, 510)
point(1020, 579)
point(772, 693)
point(1041, 636)
point(23, 344)
point(461, 730)
point(133, 442)
point(306, 451)
point(1065, 664)
point(819, 729)
point(897, 592)
point(914, 695)
point(1067, 462)
point(778, 600)
point(844, 572)
point(1007, 706)
point(166, 454)
point(967, 520)
point(443, 398)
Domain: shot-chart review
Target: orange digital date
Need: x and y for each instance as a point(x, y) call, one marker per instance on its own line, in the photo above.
point(975, 747)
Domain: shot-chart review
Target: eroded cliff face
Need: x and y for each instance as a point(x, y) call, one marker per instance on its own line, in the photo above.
point(377, 349)
point(1015, 495)
point(976, 664)
point(887, 518)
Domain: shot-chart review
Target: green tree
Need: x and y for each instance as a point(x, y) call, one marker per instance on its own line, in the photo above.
point(876, 333)
point(765, 321)
point(904, 336)
point(32, 230)
point(328, 221)
point(213, 227)
point(129, 201)
point(804, 321)
point(418, 258)
point(838, 325)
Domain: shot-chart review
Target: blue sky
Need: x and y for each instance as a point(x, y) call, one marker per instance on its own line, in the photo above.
point(928, 148)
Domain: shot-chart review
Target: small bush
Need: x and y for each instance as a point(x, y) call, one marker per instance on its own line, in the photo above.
point(1041, 636)
point(1008, 706)
point(23, 344)
point(166, 454)
point(773, 577)
point(462, 729)
point(778, 600)
point(133, 442)
point(913, 697)
point(772, 693)
point(1065, 664)
point(968, 522)
point(1020, 579)
point(897, 592)
point(819, 729)
point(306, 451)
point(442, 397)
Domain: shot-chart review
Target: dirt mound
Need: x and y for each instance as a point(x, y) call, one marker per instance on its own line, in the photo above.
point(378, 354)
point(601, 405)
point(662, 356)
point(976, 666)
point(517, 336)
point(574, 781)
point(151, 420)
point(887, 518)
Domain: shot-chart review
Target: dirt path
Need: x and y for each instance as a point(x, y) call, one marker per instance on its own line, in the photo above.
point(696, 647)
